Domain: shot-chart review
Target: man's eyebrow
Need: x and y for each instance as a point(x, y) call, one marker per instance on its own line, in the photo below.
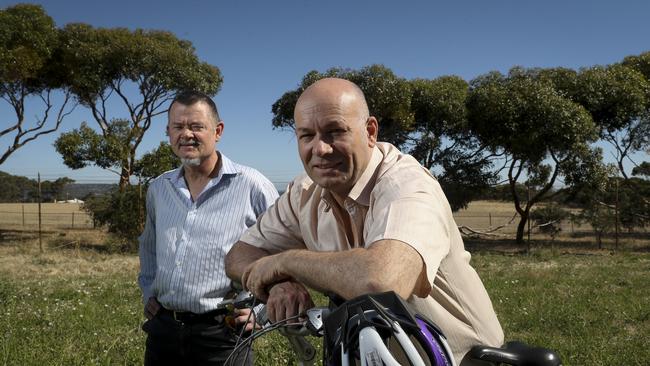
point(336, 124)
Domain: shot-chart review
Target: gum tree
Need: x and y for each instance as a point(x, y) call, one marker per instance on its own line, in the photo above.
point(426, 118)
point(30, 75)
point(388, 97)
point(543, 135)
point(137, 72)
point(441, 140)
point(616, 97)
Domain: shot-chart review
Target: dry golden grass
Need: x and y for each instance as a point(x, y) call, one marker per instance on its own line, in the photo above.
point(488, 207)
point(45, 207)
point(59, 215)
point(487, 215)
point(72, 253)
point(484, 215)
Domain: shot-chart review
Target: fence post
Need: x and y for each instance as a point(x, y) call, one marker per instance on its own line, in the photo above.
point(528, 217)
point(616, 217)
point(40, 234)
point(23, 216)
point(490, 216)
point(73, 220)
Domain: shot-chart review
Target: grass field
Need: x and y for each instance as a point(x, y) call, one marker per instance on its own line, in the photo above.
point(480, 215)
point(78, 305)
point(53, 215)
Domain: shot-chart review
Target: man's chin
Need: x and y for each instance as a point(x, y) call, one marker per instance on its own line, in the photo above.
point(332, 183)
point(191, 162)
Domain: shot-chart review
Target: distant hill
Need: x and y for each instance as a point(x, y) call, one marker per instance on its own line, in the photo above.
point(80, 190)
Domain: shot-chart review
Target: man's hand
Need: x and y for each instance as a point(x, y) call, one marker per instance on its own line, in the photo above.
point(287, 299)
point(261, 274)
point(151, 308)
point(244, 315)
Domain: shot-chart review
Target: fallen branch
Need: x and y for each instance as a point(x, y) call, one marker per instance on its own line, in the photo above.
point(612, 207)
point(468, 231)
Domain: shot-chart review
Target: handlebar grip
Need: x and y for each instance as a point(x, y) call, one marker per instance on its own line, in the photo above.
point(261, 318)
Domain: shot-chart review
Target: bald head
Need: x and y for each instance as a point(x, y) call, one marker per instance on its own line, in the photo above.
point(333, 92)
point(336, 136)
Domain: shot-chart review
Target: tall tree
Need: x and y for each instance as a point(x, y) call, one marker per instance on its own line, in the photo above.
point(616, 96)
point(426, 118)
point(642, 169)
point(441, 141)
point(156, 162)
point(30, 72)
point(543, 135)
point(638, 137)
point(140, 70)
point(388, 97)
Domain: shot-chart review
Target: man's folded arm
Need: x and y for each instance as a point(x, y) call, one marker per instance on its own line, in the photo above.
point(387, 265)
point(239, 257)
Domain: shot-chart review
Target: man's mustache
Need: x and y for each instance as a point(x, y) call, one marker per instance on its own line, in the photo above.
point(188, 143)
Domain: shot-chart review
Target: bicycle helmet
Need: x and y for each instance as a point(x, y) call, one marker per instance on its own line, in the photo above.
point(380, 329)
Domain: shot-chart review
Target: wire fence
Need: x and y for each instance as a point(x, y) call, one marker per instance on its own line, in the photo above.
point(26, 220)
point(506, 224)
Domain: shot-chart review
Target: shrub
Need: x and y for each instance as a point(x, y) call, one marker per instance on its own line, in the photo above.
point(122, 212)
point(548, 218)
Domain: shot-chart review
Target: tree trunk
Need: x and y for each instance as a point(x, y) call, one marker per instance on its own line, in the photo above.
point(124, 178)
point(521, 227)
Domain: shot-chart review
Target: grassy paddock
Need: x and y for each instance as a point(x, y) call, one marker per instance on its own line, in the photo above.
point(53, 215)
point(76, 305)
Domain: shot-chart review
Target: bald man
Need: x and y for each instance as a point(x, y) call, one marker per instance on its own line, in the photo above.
point(365, 218)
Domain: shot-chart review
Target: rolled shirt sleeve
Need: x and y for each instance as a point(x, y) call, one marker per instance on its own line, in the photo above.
point(411, 211)
point(278, 229)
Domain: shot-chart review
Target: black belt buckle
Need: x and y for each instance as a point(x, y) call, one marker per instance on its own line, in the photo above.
point(185, 317)
point(177, 316)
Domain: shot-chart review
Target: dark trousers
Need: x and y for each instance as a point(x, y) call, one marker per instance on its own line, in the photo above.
point(170, 342)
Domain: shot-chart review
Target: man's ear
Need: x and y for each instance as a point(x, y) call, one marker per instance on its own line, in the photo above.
point(372, 130)
point(218, 130)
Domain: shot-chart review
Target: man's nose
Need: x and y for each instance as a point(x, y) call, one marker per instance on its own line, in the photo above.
point(187, 133)
point(321, 148)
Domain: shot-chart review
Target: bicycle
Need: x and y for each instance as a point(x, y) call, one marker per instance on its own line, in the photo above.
point(380, 329)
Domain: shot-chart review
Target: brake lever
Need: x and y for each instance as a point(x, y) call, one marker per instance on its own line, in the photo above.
point(244, 299)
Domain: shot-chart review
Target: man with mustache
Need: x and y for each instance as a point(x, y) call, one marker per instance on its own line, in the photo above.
point(365, 218)
point(194, 215)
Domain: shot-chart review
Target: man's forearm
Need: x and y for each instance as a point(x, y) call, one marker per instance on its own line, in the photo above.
point(239, 257)
point(355, 272)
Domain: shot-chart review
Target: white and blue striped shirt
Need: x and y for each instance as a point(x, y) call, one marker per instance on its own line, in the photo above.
point(184, 242)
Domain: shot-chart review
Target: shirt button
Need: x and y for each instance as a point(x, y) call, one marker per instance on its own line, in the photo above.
point(178, 264)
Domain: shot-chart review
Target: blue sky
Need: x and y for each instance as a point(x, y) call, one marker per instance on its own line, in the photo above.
point(264, 48)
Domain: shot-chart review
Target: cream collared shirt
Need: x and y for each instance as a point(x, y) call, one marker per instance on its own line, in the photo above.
point(395, 198)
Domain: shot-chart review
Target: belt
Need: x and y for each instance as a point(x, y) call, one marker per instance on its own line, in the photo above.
point(186, 317)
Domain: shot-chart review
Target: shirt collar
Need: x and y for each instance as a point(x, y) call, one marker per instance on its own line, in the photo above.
point(360, 193)
point(228, 168)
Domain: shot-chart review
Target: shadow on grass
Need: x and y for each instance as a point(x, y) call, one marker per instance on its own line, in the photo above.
point(611, 236)
point(565, 245)
point(87, 240)
point(64, 244)
point(12, 237)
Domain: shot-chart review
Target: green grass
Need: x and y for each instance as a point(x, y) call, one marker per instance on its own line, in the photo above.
point(70, 321)
point(592, 309)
